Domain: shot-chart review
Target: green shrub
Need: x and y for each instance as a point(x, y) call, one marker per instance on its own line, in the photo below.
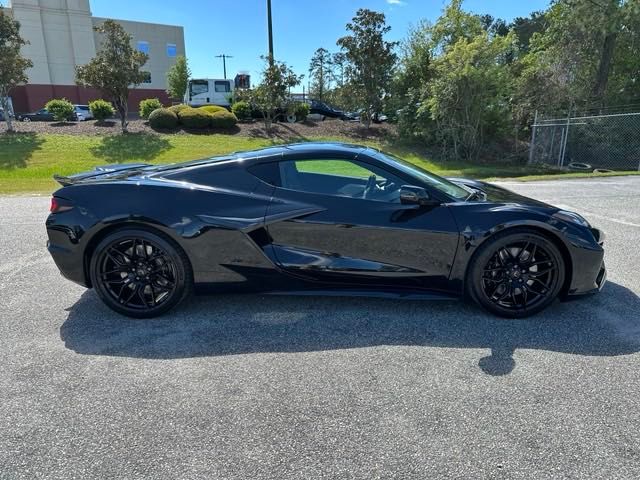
point(194, 118)
point(242, 110)
point(223, 119)
point(301, 111)
point(101, 109)
point(61, 109)
point(178, 108)
point(212, 108)
point(163, 118)
point(149, 105)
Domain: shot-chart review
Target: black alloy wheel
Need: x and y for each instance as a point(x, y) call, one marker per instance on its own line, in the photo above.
point(517, 274)
point(140, 274)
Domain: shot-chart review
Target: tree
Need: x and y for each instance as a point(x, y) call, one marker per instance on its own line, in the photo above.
point(320, 72)
point(271, 94)
point(115, 67)
point(338, 62)
point(178, 78)
point(453, 84)
point(587, 56)
point(371, 60)
point(13, 65)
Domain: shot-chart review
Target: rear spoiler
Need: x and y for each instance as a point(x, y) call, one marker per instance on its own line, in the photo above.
point(98, 171)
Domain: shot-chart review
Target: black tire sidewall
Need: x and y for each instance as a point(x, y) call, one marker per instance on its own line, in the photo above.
point(184, 276)
point(486, 251)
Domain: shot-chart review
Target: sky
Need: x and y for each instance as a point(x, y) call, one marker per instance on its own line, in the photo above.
point(239, 27)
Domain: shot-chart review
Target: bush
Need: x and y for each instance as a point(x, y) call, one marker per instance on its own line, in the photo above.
point(194, 118)
point(101, 109)
point(213, 108)
point(149, 105)
point(223, 119)
point(178, 108)
point(62, 109)
point(163, 118)
point(301, 111)
point(242, 110)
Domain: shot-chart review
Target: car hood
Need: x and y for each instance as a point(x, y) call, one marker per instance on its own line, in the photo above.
point(496, 194)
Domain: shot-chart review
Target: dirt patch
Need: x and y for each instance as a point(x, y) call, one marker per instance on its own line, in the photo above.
point(283, 131)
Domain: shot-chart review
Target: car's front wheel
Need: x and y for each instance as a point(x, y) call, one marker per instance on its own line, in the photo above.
point(516, 274)
point(139, 273)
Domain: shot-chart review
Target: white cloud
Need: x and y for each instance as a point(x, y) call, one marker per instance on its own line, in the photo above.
point(396, 2)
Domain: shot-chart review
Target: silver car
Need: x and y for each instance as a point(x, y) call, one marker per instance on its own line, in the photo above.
point(83, 112)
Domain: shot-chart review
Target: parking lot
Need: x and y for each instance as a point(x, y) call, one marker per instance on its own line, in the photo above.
point(278, 387)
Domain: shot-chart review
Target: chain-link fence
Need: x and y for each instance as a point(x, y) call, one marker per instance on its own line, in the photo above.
point(604, 141)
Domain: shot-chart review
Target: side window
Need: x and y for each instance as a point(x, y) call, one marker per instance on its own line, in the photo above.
point(222, 86)
point(171, 50)
point(342, 178)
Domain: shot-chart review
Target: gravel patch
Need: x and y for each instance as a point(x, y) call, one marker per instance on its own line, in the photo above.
point(283, 131)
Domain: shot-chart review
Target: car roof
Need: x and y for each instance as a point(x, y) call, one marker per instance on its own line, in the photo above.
point(304, 147)
point(268, 153)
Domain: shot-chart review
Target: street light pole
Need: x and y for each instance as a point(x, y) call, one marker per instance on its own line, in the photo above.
point(270, 28)
point(224, 63)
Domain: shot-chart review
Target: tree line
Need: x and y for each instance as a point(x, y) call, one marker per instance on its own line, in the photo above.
point(468, 82)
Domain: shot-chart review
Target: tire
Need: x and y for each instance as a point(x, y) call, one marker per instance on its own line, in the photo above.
point(139, 273)
point(291, 118)
point(516, 274)
point(25, 119)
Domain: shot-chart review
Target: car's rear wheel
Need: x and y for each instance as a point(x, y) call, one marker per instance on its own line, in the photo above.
point(26, 119)
point(516, 274)
point(139, 273)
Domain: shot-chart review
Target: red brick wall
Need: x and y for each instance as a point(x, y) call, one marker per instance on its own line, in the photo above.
point(32, 97)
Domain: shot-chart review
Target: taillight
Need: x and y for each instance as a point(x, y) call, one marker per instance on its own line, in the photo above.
point(60, 205)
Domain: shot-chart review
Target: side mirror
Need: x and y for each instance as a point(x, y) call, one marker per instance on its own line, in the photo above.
point(416, 196)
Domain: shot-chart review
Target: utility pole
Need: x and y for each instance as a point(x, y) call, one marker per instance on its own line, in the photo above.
point(270, 28)
point(224, 63)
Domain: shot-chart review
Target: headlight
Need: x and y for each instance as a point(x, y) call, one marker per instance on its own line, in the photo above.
point(571, 217)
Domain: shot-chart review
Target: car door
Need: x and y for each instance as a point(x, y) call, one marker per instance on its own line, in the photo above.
point(43, 115)
point(323, 228)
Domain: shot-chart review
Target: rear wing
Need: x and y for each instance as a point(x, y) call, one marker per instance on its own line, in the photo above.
point(97, 172)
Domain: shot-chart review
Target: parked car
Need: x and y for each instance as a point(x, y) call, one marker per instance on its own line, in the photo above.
point(42, 115)
point(82, 113)
point(316, 107)
point(315, 219)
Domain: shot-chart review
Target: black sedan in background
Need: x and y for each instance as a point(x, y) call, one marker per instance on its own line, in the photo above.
point(43, 115)
point(315, 219)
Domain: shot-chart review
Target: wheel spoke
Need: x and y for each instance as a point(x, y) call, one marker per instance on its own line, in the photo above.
point(524, 249)
point(541, 272)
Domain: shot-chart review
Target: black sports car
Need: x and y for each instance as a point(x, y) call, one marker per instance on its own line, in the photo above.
point(315, 219)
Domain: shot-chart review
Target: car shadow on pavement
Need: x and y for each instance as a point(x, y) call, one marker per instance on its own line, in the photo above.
point(602, 325)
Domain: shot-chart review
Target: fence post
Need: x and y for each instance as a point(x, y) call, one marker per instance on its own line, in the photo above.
point(566, 137)
point(533, 138)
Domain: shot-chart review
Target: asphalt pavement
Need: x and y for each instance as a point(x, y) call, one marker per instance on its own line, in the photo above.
point(255, 387)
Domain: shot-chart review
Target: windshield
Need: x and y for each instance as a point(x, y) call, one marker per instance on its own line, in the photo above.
point(442, 184)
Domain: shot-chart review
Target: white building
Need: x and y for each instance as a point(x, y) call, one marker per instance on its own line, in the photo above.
point(61, 36)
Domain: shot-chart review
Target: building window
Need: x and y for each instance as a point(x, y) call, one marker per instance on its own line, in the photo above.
point(147, 77)
point(171, 50)
point(143, 47)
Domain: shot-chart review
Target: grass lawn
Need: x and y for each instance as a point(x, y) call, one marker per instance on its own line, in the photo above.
point(28, 160)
